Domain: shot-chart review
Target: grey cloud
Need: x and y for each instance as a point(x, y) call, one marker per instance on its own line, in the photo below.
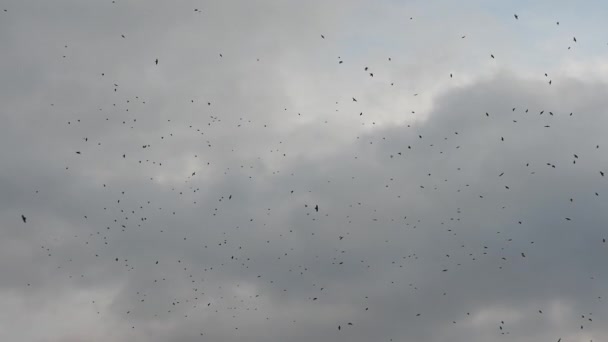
point(250, 267)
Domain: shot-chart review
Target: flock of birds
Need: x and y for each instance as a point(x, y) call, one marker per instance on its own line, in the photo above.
point(235, 240)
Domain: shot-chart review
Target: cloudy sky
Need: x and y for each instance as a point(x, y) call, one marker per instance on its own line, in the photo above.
point(314, 170)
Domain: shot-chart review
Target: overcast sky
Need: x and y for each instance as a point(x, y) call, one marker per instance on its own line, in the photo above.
point(272, 171)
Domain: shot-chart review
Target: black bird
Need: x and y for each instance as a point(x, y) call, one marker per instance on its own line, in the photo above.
point(157, 61)
point(317, 208)
point(516, 16)
point(23, 218)
point(492, 56)
point(322, 36)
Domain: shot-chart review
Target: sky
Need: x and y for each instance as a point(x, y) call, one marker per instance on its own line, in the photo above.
point(269, 171)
